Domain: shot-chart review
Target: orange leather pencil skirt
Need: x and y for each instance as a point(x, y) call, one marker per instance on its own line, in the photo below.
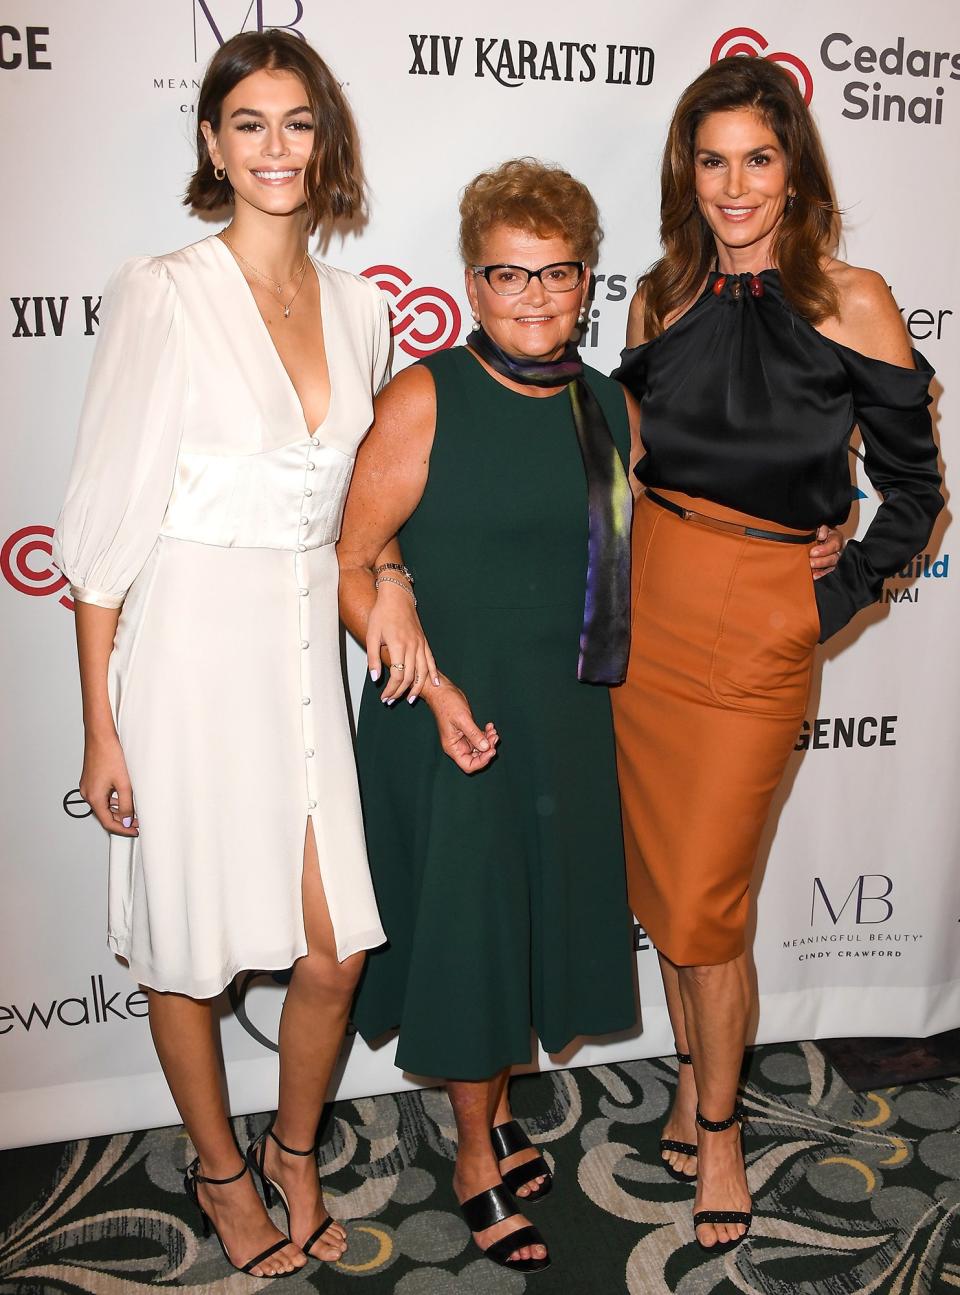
point(723, 631)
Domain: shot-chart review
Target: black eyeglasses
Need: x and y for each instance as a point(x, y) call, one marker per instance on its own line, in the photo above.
point(511, 280)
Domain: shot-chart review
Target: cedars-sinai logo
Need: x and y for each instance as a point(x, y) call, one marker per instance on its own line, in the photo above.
point(745, 41)
point(422, 319)
point(24, 561)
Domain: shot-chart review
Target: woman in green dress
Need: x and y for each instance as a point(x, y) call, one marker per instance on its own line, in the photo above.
point(501, 467)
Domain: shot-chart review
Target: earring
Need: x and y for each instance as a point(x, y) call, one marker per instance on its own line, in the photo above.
point(476, 324)
point(219, 173)
point(582, 316)
point(791, 199)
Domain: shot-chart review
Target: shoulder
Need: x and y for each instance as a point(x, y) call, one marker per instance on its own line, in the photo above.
point(185, 267)
point(636, 334)
point(360, 292)
point(141, 295)
point(868, 320)
point(141, 274)
point(862, 291)
point(636, 316)
point(442, 364)
point(412, 388)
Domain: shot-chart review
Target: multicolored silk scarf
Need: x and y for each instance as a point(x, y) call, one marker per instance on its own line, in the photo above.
point(605, 635)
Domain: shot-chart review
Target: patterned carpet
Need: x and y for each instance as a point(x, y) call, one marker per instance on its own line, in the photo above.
point(853, 1192)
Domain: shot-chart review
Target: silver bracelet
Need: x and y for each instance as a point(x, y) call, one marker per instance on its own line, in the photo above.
point(389, 580)
point(395, 566)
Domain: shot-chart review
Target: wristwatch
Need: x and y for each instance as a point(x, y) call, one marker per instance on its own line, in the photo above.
point(394, 566)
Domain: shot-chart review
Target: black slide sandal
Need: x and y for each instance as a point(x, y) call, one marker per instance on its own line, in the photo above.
point(508, 1139)
point(493, 1206)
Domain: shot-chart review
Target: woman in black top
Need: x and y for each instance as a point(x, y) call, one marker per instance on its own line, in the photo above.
point(754, 353)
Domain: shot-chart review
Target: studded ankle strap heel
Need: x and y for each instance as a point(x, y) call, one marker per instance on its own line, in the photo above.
point(672, 1144)
point(743, 1218)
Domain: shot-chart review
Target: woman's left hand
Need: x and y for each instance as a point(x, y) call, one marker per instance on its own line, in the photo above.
point(394, 624)
point(825, 554)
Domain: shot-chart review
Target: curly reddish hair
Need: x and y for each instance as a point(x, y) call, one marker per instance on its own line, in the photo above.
point(537, 197)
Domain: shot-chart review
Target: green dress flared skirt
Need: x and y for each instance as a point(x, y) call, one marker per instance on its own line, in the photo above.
point(502, 893)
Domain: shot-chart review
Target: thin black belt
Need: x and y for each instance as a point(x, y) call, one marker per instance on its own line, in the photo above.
point(733, 528)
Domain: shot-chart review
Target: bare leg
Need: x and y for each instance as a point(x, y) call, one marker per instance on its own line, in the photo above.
point(716, 1003)
point(502, 1113)
point(311, 1033)
point(182, 1031)
point(476, 1169)
point(681, 1123)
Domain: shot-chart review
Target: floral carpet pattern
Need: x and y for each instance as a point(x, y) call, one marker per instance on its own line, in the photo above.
point(852, 1192)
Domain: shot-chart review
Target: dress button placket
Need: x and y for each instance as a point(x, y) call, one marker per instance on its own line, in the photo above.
point(306, 710)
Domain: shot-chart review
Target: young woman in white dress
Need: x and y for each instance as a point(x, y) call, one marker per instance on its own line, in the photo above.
point(232, 384)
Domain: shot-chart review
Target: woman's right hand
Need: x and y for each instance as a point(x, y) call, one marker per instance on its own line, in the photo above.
point(105, 786)
point(470, 747)
point(394, 624)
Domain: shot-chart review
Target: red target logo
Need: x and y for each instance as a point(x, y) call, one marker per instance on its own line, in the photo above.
point(425, 319)
point(25, 563)
point(746, 41)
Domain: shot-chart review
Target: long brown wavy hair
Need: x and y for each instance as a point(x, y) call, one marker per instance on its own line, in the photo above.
point(809, 229)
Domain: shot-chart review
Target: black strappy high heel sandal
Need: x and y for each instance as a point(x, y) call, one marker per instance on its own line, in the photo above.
point(671, 1144)
point(191, 1178)
point(744, 1218)
point(508, 1140)
point(255, 1154)
point(493, 1206)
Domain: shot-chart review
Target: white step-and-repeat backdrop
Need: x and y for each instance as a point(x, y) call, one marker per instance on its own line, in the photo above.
point(858, 909)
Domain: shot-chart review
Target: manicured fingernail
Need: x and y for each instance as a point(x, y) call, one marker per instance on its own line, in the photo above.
point(374, 675)
point(411, 700)
point(484, 744)
point(436, 681)
point(391, 700)
point(128, 821)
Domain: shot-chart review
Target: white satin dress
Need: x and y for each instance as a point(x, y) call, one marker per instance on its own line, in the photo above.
point(200, 504)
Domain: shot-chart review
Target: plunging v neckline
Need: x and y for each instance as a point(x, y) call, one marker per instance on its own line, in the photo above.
point(286, 378)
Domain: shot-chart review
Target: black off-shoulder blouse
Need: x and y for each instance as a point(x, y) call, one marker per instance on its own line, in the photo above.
point(745, 404)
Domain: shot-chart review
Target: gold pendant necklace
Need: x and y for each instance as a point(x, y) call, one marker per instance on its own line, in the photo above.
point(298, 273)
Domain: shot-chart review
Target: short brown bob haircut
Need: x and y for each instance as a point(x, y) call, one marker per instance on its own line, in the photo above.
point(333, 181)
point(810, 227)
point(533, 196)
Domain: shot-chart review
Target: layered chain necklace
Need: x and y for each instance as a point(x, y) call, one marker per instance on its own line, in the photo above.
point(297, 274)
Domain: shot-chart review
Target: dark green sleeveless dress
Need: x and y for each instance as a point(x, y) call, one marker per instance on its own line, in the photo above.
point(502, 893)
